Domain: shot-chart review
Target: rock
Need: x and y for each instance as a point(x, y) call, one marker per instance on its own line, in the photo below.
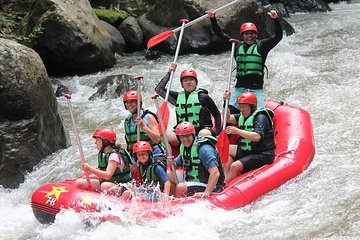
point(31, 124)
point(132, 33)
point(113, 86)
point(73, 42)
point(199, 38)
point(118, 41)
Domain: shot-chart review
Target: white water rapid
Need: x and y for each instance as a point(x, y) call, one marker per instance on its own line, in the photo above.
point(316, 69)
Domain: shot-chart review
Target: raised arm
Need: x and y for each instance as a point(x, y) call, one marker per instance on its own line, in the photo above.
point(216, 28)
point(161, 87)
point(267, 44)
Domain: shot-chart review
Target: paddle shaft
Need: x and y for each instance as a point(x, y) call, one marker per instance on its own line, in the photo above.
point(233, 43)
point(138, 105)
point(67, 96)
point(167, 146)
point(204, 16)
point(183, 22)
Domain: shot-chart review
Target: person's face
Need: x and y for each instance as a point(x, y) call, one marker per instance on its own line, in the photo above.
point(98, 142)
point(143, 156)
point(249, 37)
point(245, 109)
point(188, 83)
point(187, 139)
point(131, 106)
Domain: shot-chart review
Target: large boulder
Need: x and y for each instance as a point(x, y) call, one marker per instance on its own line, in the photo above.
point(199, 38)
point(73, 40)
point(118, 41)
point(31, 125)
point(132, 33)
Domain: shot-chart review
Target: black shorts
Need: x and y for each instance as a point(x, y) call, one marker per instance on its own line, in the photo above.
point(252, 161)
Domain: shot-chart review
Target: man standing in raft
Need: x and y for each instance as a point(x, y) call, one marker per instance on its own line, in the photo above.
point(192, 105)
point(250, 57)
point(256, 146)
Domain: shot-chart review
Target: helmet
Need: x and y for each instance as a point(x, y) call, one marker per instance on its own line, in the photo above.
point(248, 26)
point(247, 97)
point(184, 128)
point(188, 73)
point(131, 95)
point(141, 146)
point(106, 134)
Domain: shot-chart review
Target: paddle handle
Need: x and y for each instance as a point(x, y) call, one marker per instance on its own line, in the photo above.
point(138, 78)
point(167, 146)
point(233, 43)
point(205, 16)
point(183, 22)
point(68, 97)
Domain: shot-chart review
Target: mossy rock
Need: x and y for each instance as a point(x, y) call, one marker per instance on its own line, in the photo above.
point(112, 17)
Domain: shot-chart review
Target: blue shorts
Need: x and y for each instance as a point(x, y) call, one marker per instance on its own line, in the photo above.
point(237, 91)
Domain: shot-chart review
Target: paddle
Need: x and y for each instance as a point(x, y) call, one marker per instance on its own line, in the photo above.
point(223, 139)
point(164, 107)
point(164, 35)
point(138, 78)
point(168, 148)
point(68, 97)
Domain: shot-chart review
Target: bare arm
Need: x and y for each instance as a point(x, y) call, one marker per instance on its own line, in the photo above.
point(167, 186)
point(151, 129)
point(213, 178)
point(107, 174)
point(252, 136)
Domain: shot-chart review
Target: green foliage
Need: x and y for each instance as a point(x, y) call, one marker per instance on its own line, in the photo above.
point(29, 39)
point(112, 17)
point(8, 26)
point(8, 23)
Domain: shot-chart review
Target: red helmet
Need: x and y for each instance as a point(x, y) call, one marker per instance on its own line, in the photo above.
point(248, 26)
point(106, 134)
point(188, 73)
point(184, 128)
point(131, 95)
point(141, 146)
point(247, 97)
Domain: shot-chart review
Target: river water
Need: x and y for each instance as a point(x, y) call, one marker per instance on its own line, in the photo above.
point(315, 69)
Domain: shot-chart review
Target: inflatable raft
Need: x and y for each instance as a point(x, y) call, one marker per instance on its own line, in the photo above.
point(294, 152)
